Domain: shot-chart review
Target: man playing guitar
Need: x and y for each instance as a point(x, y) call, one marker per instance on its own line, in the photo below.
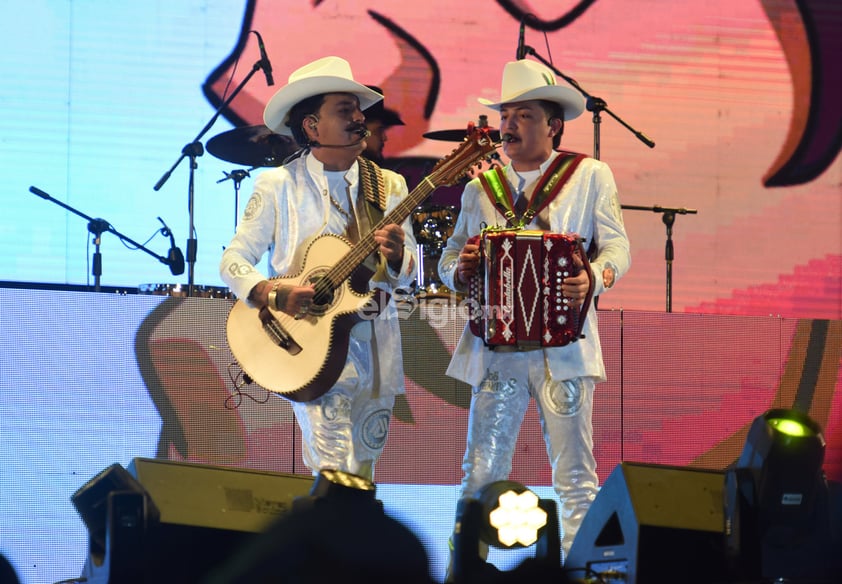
point(328, 194)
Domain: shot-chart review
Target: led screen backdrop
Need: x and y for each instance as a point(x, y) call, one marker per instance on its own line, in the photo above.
point(100, 98)
point(105, 378)
point(740, 98)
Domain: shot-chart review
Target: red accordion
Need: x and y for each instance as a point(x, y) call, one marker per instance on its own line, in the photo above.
point(516, 298)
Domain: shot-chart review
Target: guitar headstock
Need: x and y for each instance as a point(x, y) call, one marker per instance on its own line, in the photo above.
point(476, 146)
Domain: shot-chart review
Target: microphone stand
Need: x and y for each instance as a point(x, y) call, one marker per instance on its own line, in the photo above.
point(597, 106)
point(193, 150)
point(668, 217)
point(238, 176)
point(592, 104)
point(98, 227)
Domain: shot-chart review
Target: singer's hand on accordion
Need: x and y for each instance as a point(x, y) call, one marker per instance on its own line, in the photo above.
point(466, 267)
point(575, 288)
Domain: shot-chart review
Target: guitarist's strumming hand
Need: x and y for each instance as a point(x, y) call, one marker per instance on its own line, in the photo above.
point(390, 239)
point(293, 300)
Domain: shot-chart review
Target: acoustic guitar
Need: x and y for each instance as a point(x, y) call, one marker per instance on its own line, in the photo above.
point(301, 358)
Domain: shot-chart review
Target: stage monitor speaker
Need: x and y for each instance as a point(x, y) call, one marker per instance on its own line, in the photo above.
point(651, 524)
point(200, 515)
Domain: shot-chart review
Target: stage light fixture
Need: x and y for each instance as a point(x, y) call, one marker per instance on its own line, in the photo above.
point(98, 500)
point(505, 515)
point(338, 532)
point(117, 512)
point(330, 481)
point(514, 517)
point(778, 506)
point(338, 487)
point(335, 485)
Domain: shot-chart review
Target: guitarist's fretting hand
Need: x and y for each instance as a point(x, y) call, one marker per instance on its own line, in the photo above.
point(390, 239)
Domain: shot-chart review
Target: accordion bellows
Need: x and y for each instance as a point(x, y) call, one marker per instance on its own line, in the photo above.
point(516, 298)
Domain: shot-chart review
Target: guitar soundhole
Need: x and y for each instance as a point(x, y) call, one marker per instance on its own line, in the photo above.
point(325, 294)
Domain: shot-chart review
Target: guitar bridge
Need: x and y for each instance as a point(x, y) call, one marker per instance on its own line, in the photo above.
point(278, 333)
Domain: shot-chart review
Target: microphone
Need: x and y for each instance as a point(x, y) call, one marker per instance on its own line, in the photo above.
point(175, 258)
point(521, 48)
point(362, 131)
point(264, 60)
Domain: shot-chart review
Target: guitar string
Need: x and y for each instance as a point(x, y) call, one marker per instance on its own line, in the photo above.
point(404, 207)
point(348, 263)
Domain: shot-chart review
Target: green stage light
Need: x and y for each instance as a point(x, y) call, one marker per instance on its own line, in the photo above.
point(791, 427)
point(778, 503)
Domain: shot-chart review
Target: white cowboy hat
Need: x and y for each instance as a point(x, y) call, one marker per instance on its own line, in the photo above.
point(326, 75)
point(525, 80)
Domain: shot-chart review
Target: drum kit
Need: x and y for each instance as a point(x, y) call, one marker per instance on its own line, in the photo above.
point(258, 147)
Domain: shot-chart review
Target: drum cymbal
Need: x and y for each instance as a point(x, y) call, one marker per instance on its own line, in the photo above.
point(458, 135)
point(251, 146)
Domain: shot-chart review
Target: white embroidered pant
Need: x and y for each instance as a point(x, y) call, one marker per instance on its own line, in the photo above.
point(498, 406)
point(346, 428)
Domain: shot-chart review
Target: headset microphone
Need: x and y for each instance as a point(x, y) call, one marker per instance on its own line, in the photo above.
point(363, 132)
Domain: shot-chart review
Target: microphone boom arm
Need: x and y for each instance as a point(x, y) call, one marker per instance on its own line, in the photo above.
point(668, 217)
point(193, 150)
point(98, 227)
point(593, 104)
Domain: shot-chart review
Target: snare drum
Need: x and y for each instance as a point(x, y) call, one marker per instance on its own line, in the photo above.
point(180, 290)
point(432, 225)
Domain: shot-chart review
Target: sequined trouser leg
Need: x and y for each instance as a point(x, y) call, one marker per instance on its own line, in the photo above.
point(565, 408)
point(498, 406)
point(497, 410)
point(346, 428)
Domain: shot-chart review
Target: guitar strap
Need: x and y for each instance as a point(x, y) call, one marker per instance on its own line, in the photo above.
point(549, 185)
point(374, 192)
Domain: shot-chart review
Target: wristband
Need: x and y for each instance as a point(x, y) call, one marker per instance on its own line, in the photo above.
point(278, 295)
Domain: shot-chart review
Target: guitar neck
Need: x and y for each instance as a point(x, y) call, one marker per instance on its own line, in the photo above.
point(342, 270)
point(446, 171)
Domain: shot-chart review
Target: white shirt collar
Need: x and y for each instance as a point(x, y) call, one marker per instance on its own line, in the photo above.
point(316, 168)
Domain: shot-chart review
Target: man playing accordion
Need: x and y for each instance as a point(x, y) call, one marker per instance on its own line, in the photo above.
point(543, 189)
